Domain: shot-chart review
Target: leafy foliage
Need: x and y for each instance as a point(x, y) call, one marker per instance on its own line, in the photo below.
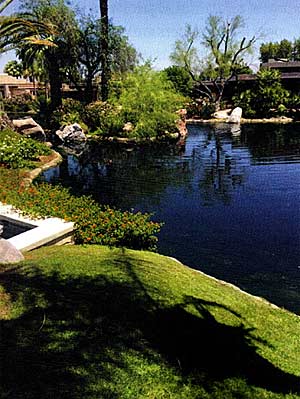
point(104, 118)
point(277, 50)
point(149, 103)
point(267, 98)
point(94, 224)
point(14, 68)
point(181, 79)
point(225, 55)
point(19, 152)
point(18, 104)
point(142, 105)
point(71, 111)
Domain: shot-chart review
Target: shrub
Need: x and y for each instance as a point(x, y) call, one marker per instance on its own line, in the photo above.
point(21, 104)
point(200, 108)
point(149, 102)
point(245, 101)
point(17, 151)
point(267, 98)
point(94, 224)
point(104, 118)
point(181, 79)
point(71, 111)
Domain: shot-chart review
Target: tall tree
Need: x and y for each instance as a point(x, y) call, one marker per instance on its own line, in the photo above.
point(4, 4)
point(63, 54)
point(122, 56)
point(277, 50)
point(104, 49)
point(225, 55)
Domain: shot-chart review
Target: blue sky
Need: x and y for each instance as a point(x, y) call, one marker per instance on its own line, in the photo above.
point(153, 25)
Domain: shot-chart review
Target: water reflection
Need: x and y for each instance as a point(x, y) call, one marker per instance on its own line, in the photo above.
point(229, 200)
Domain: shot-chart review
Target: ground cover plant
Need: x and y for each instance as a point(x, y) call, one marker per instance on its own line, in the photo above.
point(17, 151)
point(94, 322)
point(94, 224)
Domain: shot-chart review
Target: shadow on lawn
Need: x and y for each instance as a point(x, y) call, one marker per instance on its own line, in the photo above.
point(73, 331)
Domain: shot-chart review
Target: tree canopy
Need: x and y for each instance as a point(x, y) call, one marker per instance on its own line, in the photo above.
point(285, 49)
point(225, 55)
point(73, 52)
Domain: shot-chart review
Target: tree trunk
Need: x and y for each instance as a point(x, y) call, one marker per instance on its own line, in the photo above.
point(55, 82)
point(89, 93)
point(104, 49)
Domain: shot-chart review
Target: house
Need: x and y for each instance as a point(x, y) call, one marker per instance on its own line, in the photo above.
point(10, 86)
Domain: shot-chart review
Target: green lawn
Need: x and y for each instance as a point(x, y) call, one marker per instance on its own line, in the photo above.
point(94, 322)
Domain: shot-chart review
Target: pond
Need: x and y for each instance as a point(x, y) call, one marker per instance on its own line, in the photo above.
point(229, 200)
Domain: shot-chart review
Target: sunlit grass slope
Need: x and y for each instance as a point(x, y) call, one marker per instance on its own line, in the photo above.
point(110, 323)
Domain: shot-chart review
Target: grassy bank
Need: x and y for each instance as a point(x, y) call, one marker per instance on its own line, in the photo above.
point(92, 322)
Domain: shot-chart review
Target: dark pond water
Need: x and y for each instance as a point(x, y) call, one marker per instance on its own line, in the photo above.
point(229, 200)
point(11, 229)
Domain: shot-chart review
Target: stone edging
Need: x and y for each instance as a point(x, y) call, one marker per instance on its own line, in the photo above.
point(244, 121)
point(32, 174)
point(222, 282)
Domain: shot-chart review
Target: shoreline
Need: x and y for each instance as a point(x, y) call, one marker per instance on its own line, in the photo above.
point(46, 163)
point(280, 120)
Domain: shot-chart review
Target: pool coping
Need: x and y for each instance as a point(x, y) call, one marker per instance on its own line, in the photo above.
point(46, 231)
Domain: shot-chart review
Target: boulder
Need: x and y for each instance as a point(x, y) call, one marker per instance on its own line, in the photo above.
point(235, 116)
point(28, 127)
point(128, 127)
point(5, 122)
point(8, 253)
point(224, 114)
point(71, 134)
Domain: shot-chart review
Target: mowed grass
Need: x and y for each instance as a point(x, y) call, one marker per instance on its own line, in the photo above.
point(95, 322)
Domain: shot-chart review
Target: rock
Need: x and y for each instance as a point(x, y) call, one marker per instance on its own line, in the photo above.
point(8, 253)
point(28, 127)
point(182, 129)
point(71, 134)
point(182, 113)
point(224, 114)
point(5, 122)
point(235, 116)
point(128, 127)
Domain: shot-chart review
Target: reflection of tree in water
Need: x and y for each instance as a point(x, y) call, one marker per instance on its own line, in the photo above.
point(214, 164)
point(223, 166)
point(124, 175)
point(265, 141)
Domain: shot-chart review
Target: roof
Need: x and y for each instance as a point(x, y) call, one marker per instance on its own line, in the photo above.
point(6, 79)
point(281, 64)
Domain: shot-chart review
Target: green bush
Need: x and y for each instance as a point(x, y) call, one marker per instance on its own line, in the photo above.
point(149, 102)
point(200, 108)
point(94, 224)
point(267, 98)
point(245, 101)
point(71, 111)
point(181, 80)
point(104, 118)
point(17, 151)
point(19, 104)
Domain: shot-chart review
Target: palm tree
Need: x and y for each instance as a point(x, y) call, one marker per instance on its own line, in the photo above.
point(104, 49)
point(4, 4)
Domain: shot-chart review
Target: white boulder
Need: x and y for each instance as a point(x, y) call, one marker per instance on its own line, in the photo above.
point(224, 114)
point(235, 116)
point(72, 134)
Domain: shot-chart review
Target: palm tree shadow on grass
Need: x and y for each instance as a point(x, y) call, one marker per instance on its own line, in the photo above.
point(74, 329)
